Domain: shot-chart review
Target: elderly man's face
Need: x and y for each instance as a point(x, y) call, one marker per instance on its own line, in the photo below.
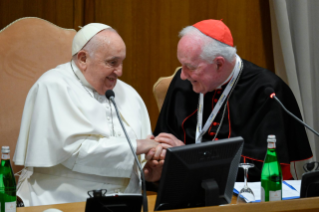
point(203, 75)
point(105, 66)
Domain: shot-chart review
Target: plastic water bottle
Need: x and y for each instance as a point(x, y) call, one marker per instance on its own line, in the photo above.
point(271, 175)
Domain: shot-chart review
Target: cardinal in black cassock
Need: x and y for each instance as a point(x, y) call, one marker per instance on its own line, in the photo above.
point(250, 113)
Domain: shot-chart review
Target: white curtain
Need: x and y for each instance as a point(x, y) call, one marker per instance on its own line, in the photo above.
point(295, 33)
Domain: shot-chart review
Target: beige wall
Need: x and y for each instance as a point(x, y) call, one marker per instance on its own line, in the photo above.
point(150, 29)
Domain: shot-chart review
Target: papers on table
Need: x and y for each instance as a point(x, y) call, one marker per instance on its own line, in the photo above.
point(290, 189)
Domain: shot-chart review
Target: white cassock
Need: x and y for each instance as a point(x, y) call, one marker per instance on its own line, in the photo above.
point(71, 141)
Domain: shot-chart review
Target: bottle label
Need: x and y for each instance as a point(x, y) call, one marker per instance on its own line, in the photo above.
point(10, 207)
point(275, 195)
point(5, 156)
point(262, 194)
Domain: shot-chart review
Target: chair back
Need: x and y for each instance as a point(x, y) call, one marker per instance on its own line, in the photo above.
point(160, 89)
point(28, 48)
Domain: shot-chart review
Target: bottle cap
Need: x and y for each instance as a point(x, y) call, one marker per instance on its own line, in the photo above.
point(5, 149)
point(271, 138)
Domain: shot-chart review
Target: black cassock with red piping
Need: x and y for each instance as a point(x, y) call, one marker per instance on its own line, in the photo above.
point(250, 113)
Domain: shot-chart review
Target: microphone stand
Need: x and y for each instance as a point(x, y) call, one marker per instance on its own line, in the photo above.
point(306, 181)
point(315, 132)
point(145, 205)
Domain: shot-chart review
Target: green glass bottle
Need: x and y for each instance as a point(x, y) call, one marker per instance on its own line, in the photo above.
point(8, 195)
point(271, 175)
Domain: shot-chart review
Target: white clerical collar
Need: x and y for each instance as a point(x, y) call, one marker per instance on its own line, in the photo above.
point(80, 75)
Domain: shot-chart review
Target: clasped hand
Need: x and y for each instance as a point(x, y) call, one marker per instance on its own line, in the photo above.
point(156, 155)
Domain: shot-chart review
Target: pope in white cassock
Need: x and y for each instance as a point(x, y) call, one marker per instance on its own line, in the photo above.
point(70, 139)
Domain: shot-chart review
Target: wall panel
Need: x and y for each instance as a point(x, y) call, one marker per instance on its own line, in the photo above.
point(60, 12)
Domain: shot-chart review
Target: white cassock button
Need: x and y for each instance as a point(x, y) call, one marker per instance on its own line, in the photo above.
point(107, 107)
point(119, 134)
point(108, 118)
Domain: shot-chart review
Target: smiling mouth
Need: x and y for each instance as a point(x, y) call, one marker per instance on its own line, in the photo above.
point(111, 78)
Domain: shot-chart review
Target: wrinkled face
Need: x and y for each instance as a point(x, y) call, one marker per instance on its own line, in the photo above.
point(203, 76)
point(105, 66)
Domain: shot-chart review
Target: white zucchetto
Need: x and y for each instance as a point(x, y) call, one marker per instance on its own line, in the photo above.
point(85, 34)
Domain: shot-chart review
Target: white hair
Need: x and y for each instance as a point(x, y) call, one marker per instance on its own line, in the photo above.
point(211, 48)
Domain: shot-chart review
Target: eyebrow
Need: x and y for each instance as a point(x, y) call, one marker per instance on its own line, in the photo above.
point(113, 58)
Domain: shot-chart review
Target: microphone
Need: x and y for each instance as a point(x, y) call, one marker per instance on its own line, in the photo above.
point(269, 91)
point(110, 95)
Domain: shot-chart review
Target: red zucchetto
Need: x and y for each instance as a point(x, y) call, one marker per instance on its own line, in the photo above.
point(215, 29)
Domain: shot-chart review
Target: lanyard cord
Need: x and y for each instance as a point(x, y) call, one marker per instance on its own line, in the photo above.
point(201, 130)
point(225, 106)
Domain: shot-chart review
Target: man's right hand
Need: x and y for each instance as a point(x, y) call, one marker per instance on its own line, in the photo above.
point(145, 145)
